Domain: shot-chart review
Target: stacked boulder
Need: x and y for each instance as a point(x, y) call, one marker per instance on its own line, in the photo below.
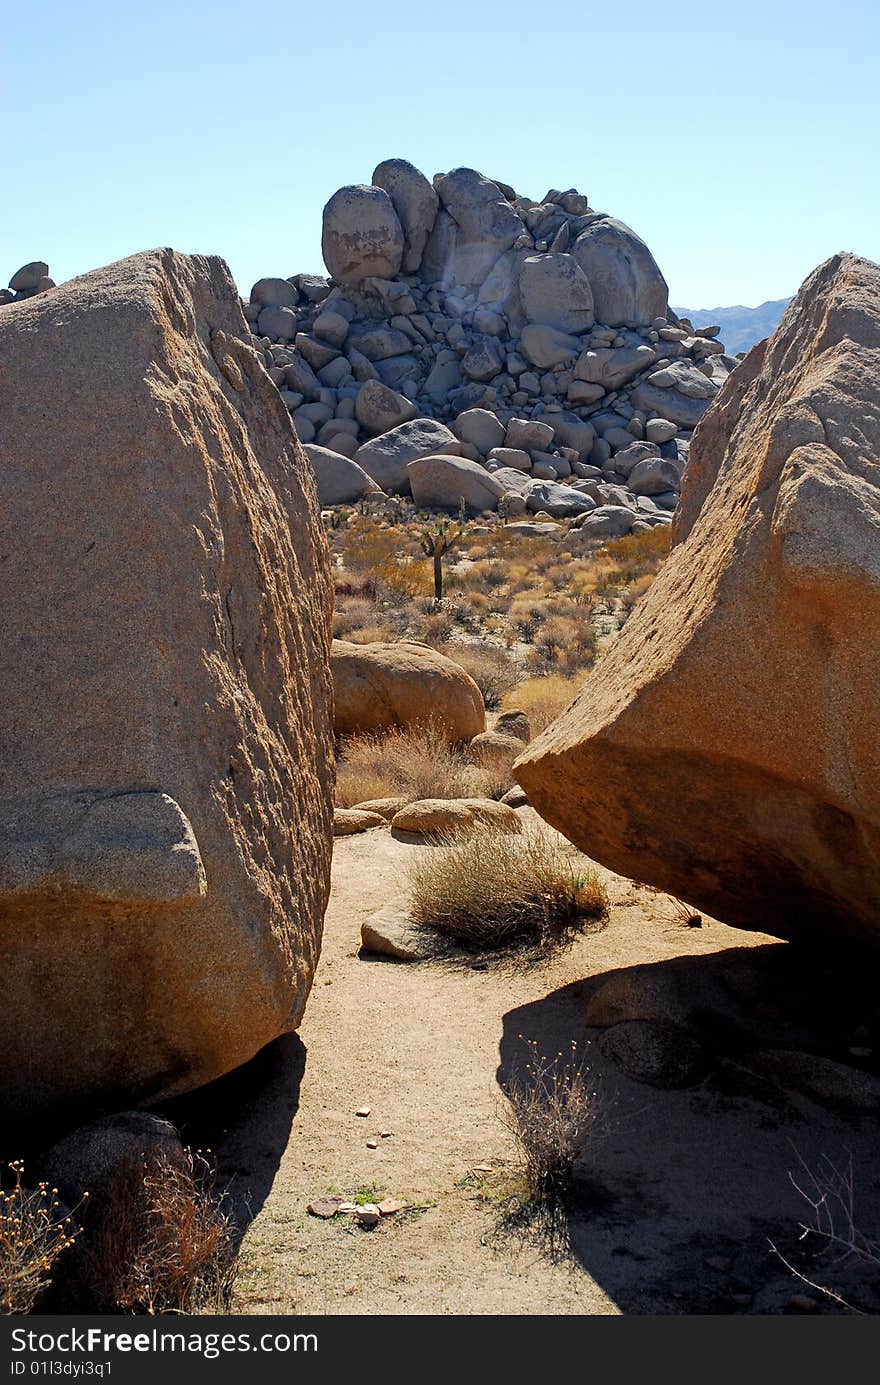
point(526, 348)
point(30, 279)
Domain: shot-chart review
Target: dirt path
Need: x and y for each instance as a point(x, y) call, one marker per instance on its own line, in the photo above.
point(680, 1178)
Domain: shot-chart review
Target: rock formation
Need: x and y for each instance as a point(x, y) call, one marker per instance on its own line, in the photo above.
point(462, 298)
point(378, 686)
point(167, 753)
point(727, 746)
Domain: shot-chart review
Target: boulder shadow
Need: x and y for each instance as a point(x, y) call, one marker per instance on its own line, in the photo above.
point(679, 1192)
point(243, 1122)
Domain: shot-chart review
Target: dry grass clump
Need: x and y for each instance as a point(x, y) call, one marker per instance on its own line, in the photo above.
point(184, 1259)
point(413, 762)
point(34, 1231)
point(493, 889)
point(157, 1242)
point(553, 1107)
point(492, 668)
point(543, 698)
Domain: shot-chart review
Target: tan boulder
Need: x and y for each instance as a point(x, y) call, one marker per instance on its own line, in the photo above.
point(347, 821)
point(727, 746)
point(379, 686)
point(385, 807)
point(165, 711)
point(430, 816)
point(494, 750)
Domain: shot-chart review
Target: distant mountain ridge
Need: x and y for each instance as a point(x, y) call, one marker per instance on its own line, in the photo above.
point(740, 327)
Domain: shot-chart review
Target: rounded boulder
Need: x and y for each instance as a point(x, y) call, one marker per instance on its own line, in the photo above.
point(362, 236)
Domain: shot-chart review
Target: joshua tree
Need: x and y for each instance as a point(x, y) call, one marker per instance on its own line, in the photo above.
point(435, 542)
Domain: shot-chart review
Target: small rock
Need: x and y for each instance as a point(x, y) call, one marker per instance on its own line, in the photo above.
point(325, 1207)
point(389, 1205)
point(363, 1110)
point(372, 1144)
point(368, 1215)
point(801, 1303)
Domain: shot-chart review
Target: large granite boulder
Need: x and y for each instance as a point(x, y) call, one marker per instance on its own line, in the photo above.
point(451, 482)
point(476, 225)
point(711, 436)
point(386, 457)
point(339, 479)
point(167, 766)
point(554, 290)
point(626, 282)
point(415, 202)
point(362, 236)
point(380, 686)
point(727, 746)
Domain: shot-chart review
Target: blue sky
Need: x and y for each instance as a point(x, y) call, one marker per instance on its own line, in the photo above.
point(740, 140)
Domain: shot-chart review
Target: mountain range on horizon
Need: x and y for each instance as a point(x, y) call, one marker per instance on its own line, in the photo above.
point(741, 327)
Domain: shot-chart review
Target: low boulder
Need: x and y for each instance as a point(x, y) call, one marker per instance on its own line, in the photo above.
point(380, 686)
point(446, 483)
point(339, 479)
point(386, 457)
point(429, 817)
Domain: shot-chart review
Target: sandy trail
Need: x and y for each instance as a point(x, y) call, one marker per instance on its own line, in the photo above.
point(678, 1178)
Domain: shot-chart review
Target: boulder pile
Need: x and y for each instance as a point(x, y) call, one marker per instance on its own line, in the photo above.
point(726, 747)
point(526, 347)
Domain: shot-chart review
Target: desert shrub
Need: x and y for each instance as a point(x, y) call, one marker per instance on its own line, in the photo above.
point(492, 888)
point(491, 667)
point(434, 628)
point(376, 633)
point(160, 1242)
point(353, 613)
point(565, 645)
point(35, 1230)
point(636, 554)
point(415, 762)
point(543, 698)
point(553, 1107)
point(185, 1258)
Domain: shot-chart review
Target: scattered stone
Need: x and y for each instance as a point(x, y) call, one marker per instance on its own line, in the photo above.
point(363, 1111)
point(372, 1144)
point(325, 1207)
point(389, 1206)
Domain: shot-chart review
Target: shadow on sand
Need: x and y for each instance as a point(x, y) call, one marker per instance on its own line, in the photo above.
point(680, 1192)
point(244, 1119)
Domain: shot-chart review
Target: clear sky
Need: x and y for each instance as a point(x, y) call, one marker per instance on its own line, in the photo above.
point(739, 139)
